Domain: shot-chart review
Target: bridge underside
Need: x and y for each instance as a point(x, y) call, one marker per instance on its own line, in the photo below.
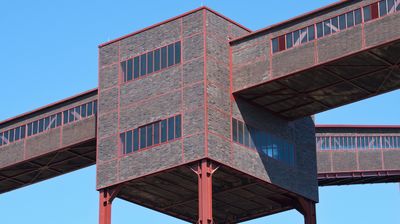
point(358, 76)
point(358, 177)
point(236, 196)
point(48, 166)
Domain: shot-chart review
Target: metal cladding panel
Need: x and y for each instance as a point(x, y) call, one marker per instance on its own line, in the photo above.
point(43, 143)
point(11, 154)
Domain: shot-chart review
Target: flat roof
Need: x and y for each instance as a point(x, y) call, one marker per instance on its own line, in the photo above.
point(49, 105)
point(171, 19)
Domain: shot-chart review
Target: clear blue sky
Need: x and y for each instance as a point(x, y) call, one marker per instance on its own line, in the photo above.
point(49, 52)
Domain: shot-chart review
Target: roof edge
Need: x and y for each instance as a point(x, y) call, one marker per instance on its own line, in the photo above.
point(48, 105)
point(172, 19)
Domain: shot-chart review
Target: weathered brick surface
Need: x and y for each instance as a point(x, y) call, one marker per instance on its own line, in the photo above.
point(107, 173)
point(193, 121)
point(324, 161)
point(370, 160)
point(109, 148)
point(108, 101)
point(193, 147)
point(383, 30)
point(344, 161)
point(108, 125)
point(193, 96)
point(11, 154)
point(79, 131)
point(193, 71)
point(109, 76)
point(43, 143)
point(193, 47)
point(192, 23)
point(392, 158)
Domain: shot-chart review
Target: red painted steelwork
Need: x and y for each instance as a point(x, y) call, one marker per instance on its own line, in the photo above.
point(307, 209)
point(107, 195)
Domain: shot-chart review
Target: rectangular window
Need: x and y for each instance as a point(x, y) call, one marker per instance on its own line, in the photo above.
point(142, 131)
point(178, 126)
point(397, 5)
point(17, 133)
point(320, 30)
point(335, 24)
point(171, 55)
point(149, 135)
point(95, 107)
point(327, 27)
point(47, 123)
point(234, 130)
point(282, 43)
point(163, 57)
point(143, 63)
point(240, 132)
point(150, 62)
point(71, 115)
point(171, 128)
point(122, 139)
point(30, 129)
point(342, 22)
point(135, 139)
point(367, 13)
point(289, 40)
point(83, 110)
point(1, 139)
point(163, 130)
point(311, 33)
point(129, 70)
point(136, 67)
point(11, 135)
point(304, 36)
point(178, 52)
point(77, 113)
point(128, 148)
point(123, 69)
point(89, 109)
point(58, 119)
point(350, 19)
point(275, 45)
point(5, 138)
point(382, 8)
point(157, 59)
point(156, 133)
point(391, 6)
point(35, 128)
point(357, 16)
point(65, 113)
point(296, 37)
point(23, 131)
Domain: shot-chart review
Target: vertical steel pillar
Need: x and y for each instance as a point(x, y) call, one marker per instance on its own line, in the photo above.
point(107, 195)
point(307, 208)
point(204, 171)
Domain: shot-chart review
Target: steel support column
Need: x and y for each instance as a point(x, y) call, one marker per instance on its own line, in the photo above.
point(204, 171)
point(307, 208)
point(107, 195)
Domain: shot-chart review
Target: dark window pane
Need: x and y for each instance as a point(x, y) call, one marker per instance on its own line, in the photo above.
point(58, 119)
point(136, 67)
point(142, 131)
point(65, 113)
point(83, 110)
point(335, 24)
point(71, 115)
point(171, 55)
point(342, 22)
point(163, 57)
point(128, 144)
point(17, 133)
point(320, 31)
point(311, 33)
point(41, 125)
point(77, 113)
point(350, 19)
point(304, 36)
point(240, 132)
point(234, 129)
point(47, 123)
point(157, 59)
point(129, 72)
point(143, 63)
point(398, 6)
point(149, 135)
point(289, 40)
point(157, 133)
point(296, 37)
point(23, 131)
point(5, 137)
point(367, 13)
point(178, 52)
point(382, 8)
point(95, 107)
point(123, 69)
point(246, 136)
point(35, 128)
point(178, 126)
point(275, 47)
point(252, 137)
point(390, 6)
point(89, 109)
point(29, 129)
point(11, 135)
point(357, 16)
point(135, 139)
point(327, 27)
point(171, 128)
point(122, 139)
point(1, 139)
point(150, 62)
point(163, 130)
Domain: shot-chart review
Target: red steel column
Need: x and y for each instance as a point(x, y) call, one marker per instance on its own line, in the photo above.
point(105, 207)
point(307, 208)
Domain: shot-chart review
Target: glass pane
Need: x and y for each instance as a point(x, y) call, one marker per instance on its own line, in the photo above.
point(129, 72)
point(367, 13)
point(135, 139)
point(342, 22)
point(171, 55)
point(157, 60)
point(252, 137)
point(178, 126)
point(11, 135)
point(390, 6)
point(275, 47)
point(23, 131)
point(149, 135)
point(178, 52)
point(35, 128)
point(41, 125)
point(77, 112)
point(234, 129)
point(65, 114)
point(157, 133)
point(289, 40)
point(71, 115)
point(89, 109)
point(163, 57)
point(95, 107)
point(150, 62)
point(17, 133)
point(304, 36)
point(83, 110)
point(246, 136)
point(350, 19)
point(123, 69)
point(382, 8)
point(5, 137)
point(58, 119)
point(327, 27)
point(29, 129)
point(163, 130)
point(136, 67)
point(320, 31)
point(128, 148)
point(398, 5)
point(1, 139)
point(122, 139)
point(296, 37)
point(143, 63)
point(142, 131)
point(335, 24)
point(47, 123)
point(357, 16)
point(171, 128)
point(240, 132)
point(311, 33)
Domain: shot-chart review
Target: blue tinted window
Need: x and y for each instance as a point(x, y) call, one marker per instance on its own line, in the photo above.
point(275, 45)
point(23, 131)
point(129, 70)
point(149, 135)
point(35, 127)
point(171, 55)
point(177, 52)
point(11, 135)
point(136, 67)
point(83, 110)
point(1, 139)
point(240, 132)
point(234, 130)
point(129, 138)
point(350, 19)
point(150, 62)
point(289, 40)
point(163, 57)
point(123, 69)
point(89, 109)
point(122, 139)
point(142, 131)
point(157, 133)
point(311, 33)
point(30, 129)
point(171, 128)
point(178, 126)
point(163, 130)
point(95, 107)
point(157, 60)
point(357, 16)
point(246, 136)
point(143, 63)
point(320, 30)
point(135, 139)
point(58, 119)
point(327, 27)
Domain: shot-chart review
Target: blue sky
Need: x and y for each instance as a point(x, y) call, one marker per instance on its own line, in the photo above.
point(49, 52)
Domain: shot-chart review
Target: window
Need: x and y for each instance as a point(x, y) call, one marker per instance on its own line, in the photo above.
point(275, 45)
point(150, 62)
point(304, 36)
point(357, 16)
point(311, 33)
point(151, 134)
point(143, 63)
point(289, 40)
point(342, 22)
point(129, 70)
point(157, 59)
point(136, 67)
point(177, 52)
point(170, 55)
point(335, 24)
point(327, 27)
point(296, 37)
point(350, 19)
point(163, 57)
point(382, 8)
point(320, 30)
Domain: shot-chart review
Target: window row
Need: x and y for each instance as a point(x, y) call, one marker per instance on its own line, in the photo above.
point(151, 62)
point(335, 24)
point(152, 134)
point(265, 143)
point(12, 135)
point(79, 112)
point(359, 142)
